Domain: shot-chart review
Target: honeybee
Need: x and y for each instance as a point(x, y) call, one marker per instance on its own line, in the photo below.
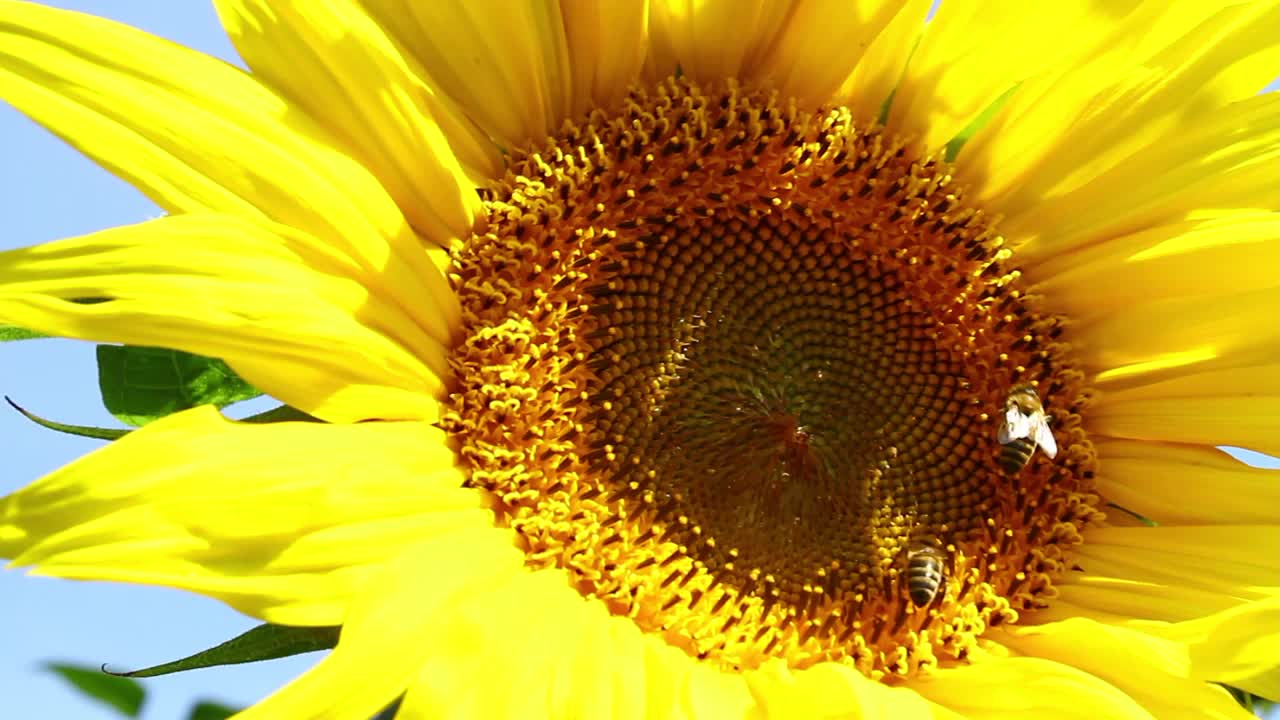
point(924, 574)
point(1023, 428)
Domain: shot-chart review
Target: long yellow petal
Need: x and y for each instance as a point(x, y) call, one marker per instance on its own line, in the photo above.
point(280, 521)
point(1238, 407)
point(1155, 672)
point(193, 133)
point(1227, 161)
point(880, 67)
point(805, 50)
point(559, 655)
point(817, 44)
point(1239, 646)
point(1166, 66)
point(606, 43)
point(709, 40)
point(286, 310)
point(1219, 637)
point(1187, 484)
point(833, 690)
point(974, 51)
point(1099, 596)
point(1164, 261)
point(1025, 687)
point(1184, 571)
point(335, 61)
point(1136, 343)
point(711, 694)
point(391, 627)
point(1226, 318)
point(1218, 558)
point(506, 64)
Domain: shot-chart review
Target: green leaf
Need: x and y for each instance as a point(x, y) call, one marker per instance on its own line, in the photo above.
point(207, 710)
point(123, 694)
point(88, 431)
point(13, 332)
point(265, 642)
point(141, 384)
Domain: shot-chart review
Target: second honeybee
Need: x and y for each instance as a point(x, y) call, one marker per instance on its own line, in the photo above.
point(1023, 427)
point(924, 575)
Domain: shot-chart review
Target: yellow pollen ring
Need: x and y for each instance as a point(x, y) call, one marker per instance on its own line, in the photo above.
point(727, 363)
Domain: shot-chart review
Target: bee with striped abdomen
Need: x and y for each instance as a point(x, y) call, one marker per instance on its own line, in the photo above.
point(924, 574)
point(1024, 427)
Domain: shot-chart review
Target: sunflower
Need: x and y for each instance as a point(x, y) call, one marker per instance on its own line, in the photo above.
point(708, 359)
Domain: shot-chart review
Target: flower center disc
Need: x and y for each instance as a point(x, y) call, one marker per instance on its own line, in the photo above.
point(731, 365)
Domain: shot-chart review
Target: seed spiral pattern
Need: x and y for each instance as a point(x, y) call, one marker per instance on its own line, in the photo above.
point(725, 360)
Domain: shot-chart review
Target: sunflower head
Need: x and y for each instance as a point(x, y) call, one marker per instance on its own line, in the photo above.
point(727, 360)
point(714, 359)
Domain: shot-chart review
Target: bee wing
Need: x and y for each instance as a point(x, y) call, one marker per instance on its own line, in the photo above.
point(1044, 438)
point(1015, 426)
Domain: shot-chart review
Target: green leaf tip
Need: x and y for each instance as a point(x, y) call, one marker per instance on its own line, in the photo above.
point(208, 710)
point(89, 431)
point(264, 642)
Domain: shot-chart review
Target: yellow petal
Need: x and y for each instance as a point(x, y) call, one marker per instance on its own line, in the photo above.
point(711, 694)
point(880, 67)
point(1165, 66)
point(522, 632)
point(805, 50)
point(665, 673)
point(1183, 571)
point(606, 43)
point(193, 133)
point(1225, 161)
point(1023, 687)
point(1164, 261)
point(1238, 647)
point(1155, 672)
point(973, 51)
point(286, 310)
point(506, 64)
point(1239, 407)
point(280, 521)
point(1100, 596)
point(335, 61)
point(505, 633)
point(1142, 342)
point(817, 44)
point(548, 653)
point(559, 655)
point(709, 40)
point(1115, 290)
point(1186, 484)
point(388, 634)
point(635, 694)
point(832, 690)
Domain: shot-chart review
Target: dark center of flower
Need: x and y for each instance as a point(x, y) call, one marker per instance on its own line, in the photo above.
point(739, 370)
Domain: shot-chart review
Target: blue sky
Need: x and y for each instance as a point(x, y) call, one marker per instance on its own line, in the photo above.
point(48, 191)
